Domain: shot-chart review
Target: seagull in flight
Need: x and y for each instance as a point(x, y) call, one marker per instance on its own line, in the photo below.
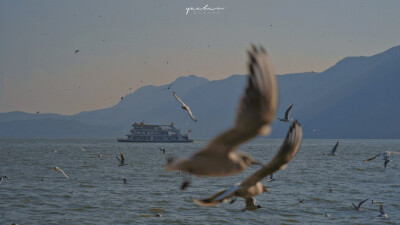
point(252, 186)
point(271, 178)
point(162, 150)
point(286, 118)
point(385, 155)
point(185, 107)
point(333, 151)
point(255, 113)
point(56, 168)
point(169, 87)
point(121, 160)
point(2, 178)
point(358, 207)
point(383, 214)
point(76, 51)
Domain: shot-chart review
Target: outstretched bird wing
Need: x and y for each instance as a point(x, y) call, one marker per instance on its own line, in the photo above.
point(256, 109)
point(211, 200)
point(179, 99)
point(288, 111)
point(122, 159)
point(284, 155)
point(367, 160)
point(335, 147)
point(362, 202)
point(59, 169)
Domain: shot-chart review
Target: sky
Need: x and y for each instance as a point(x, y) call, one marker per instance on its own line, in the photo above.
point(124, 45)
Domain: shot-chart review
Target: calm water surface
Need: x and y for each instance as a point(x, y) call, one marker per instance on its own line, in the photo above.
point(36, 194)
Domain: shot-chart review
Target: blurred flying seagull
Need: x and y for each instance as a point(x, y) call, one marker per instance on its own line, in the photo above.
point(169, 87)
point(56, 168)
point(255, 113)
point(333, 151)
point(383, 214)
point(286, 119)
point(385, 155)
point(359, 205)
point(121, 160)
point(252, 186)
point(251, 204)
point(2, 178)
point(185, 107)
point(76, 51)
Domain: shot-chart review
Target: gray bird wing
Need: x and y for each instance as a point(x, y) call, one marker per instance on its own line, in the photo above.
point(284, 155)
point(256, 109)
point(335, 147)
point(288, 111)
point(122, 159)
point(381, 209)
point(211, 201)
point(362, 202)
point(367, 160)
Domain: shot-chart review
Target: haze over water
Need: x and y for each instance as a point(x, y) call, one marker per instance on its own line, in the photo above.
point(100, 197)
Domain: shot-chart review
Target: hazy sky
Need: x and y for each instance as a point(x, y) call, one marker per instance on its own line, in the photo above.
point(128, 44)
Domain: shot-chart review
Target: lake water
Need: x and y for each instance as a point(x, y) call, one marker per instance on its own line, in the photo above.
point(95, 194)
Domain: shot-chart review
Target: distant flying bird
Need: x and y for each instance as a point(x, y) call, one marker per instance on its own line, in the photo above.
point(385, 155)
point(251, 204)
point(358, 207)
point(256, 111)
point(76, 51)
point(121, 160)
point(252, 186)
point(315, 130)
point(83, 149)
point(162, 150)
point(383, 214)
point(130, 88)
point(2, 178)
point(333, 151)
point(56, 168)
point(37, 112)
point(185, 107)
point(286, 119)
point(169, 87)
point(271, 178)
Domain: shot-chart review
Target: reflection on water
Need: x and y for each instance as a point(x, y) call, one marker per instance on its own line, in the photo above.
point(36, 194)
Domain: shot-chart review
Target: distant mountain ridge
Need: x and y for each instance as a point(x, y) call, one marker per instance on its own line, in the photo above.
point(356, 98)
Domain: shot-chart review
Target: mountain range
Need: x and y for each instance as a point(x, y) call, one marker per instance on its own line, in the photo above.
point(356, 98)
